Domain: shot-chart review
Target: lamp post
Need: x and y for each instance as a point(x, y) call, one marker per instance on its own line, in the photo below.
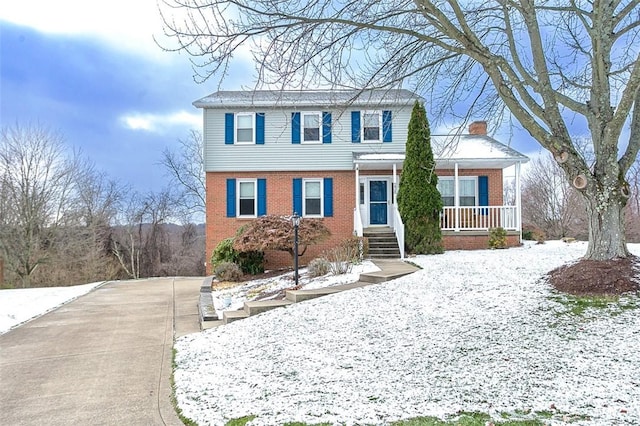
point(295, 219)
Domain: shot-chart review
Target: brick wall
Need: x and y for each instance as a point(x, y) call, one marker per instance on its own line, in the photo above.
point(476, 241)
point(279, 202)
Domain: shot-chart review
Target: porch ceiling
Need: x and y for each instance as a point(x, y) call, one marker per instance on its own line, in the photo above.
point(378, 161)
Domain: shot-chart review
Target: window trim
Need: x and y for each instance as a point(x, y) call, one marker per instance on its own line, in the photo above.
point(253, 127)
point(461, 178)
point(362, 126)
point(318, 114)
point(239, 198)
point(304, 196)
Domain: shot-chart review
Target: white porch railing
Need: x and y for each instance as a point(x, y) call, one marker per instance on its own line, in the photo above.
point(479, 218)
point(358, 228)
point(398, 228)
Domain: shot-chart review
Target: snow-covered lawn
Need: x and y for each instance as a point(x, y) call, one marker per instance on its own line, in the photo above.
point(233, 298)
point(20, 305)
point(473, 331)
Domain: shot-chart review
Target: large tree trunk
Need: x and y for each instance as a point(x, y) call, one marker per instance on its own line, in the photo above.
point(606, 226)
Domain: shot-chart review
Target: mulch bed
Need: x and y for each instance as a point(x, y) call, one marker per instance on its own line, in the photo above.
point(598, 277)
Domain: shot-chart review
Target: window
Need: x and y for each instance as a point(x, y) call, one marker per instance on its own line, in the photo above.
point(244, 127)
point(466, 187)
point(311, 127)
point(312, 194)
point(371, 126)
point(313, 197)
point(247, 198)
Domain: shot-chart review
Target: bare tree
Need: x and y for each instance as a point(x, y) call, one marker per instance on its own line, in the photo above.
point(549, 202)
point(37, 178)
point(549, 64)
point(185, 168)
point(141, 242)
point(632, 212)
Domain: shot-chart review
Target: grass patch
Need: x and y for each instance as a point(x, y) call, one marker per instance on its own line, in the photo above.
point(174, 401)
point(240, 421)
point(580, 306)
point(467, 419)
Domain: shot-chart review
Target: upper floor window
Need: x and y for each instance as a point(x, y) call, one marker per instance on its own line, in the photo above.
point(311, 127)
point(244, 127)
point(371, 123)
point(371, 126)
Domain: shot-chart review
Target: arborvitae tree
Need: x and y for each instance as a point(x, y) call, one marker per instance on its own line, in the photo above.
point(419, 201)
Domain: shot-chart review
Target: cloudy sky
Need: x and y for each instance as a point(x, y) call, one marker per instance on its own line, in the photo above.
point(92, 71)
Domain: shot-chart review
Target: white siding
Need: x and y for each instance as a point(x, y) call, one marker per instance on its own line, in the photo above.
point(278, 153)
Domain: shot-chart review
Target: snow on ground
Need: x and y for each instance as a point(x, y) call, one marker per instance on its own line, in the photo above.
point(473, 331)
point(233, 298)
point(20, 305)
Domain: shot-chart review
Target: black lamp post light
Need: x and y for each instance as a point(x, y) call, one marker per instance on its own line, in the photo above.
point(295, 219)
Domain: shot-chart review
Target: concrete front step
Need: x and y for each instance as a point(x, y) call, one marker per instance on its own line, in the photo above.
point(260, 306)
point(230, 316)
point(296, 296)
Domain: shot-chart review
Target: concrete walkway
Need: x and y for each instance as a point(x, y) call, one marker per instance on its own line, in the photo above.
point(103, 359)
point(389, 269)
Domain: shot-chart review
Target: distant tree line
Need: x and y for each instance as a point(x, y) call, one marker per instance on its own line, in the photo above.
point(63, 222)
point(552, 207)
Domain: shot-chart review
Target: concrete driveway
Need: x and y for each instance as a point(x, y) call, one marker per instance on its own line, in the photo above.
point(103, 359)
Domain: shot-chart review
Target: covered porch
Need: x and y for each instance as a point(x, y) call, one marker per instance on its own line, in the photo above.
point(472, 190)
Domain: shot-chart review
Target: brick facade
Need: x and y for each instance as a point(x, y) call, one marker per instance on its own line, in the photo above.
point(280, 202)
point(279, 197)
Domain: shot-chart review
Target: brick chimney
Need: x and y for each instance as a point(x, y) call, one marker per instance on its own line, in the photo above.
point(478, 128)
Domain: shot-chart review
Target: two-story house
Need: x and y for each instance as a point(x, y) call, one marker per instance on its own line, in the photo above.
point(338, 155)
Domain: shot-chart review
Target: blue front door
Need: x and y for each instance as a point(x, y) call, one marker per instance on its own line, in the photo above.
point(378, 202)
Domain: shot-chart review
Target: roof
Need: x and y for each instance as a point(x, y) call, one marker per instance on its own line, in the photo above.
point(303, 98)
point(465, 150)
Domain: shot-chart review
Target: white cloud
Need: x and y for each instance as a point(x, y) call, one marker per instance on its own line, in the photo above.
point(158, 123)
point(125, 24)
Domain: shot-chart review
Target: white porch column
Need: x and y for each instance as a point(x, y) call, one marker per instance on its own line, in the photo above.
point(357, 186)
point(395, 184)
point(456, 201)
point(518, 201)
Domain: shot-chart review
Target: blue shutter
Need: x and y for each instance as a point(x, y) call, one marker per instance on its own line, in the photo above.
point(386, 126)
point(483, 193)
point(326, 127)
point(355, 126)
point(228, 128)
point(260, 128)
point(328, 197)
point(295, 127)
point(262, 197)
point(231, 198)
point(297, 196)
